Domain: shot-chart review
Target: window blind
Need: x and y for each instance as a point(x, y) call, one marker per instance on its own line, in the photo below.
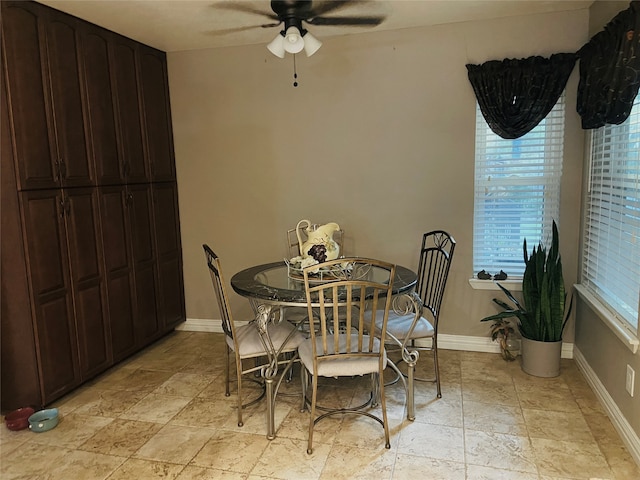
point(611, 250)
point(517, 192)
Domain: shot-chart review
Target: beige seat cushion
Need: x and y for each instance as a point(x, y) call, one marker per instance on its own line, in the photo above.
point(398, 325)
point(250, 345)
point(341, 367)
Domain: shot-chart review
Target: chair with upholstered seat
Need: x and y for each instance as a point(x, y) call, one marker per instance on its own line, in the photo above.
point(246, 343)
point(413, 322)
point(339, 345)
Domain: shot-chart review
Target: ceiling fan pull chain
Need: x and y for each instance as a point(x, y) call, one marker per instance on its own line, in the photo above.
point(295, 74)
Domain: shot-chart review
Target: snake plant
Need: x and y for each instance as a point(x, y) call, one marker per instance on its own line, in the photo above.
point(541, 315)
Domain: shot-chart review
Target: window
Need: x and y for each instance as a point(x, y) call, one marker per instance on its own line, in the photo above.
point(517, 192)
point(611, 248)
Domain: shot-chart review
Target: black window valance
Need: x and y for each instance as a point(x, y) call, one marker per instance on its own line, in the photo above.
point(516, 94)
point(610, 71)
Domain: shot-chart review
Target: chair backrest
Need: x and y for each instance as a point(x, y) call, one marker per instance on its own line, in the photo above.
point(436, 254)
point(339, 305)
point(213, 262)
point(293, 247)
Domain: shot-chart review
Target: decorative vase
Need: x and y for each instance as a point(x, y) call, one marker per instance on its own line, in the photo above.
point(541, 359)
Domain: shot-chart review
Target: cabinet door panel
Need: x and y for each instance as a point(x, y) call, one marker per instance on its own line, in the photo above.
point(123, 59)
point(119, 270)
point(157, 118)
point(169, 253)
point(35, 149)
point(144, 261)
point(67, 102)
point(56, 347)
point(100, 107)
point(52, 297)
point(88, 279)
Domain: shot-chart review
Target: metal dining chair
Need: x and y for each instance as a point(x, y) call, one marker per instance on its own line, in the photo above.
point(413, 322)
point(265, 350)
point(338, 345)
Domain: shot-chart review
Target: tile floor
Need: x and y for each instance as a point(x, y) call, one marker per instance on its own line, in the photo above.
point(163, 414)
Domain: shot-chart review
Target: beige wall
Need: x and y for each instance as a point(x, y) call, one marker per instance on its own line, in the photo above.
point(600, 347)
point(379, 137)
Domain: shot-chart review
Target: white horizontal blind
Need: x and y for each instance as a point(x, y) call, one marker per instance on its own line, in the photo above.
point(517, 192)
point(611, 250)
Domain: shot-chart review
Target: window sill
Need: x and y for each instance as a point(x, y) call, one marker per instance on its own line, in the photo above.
point(609, 319)
point(514, 285)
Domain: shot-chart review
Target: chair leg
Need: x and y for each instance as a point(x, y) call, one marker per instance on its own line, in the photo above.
point(436, 367)
point(383, 403)
point(239, 375)
point(312, 415)
point(226, 372)
point(304, 383)
point(411, 406)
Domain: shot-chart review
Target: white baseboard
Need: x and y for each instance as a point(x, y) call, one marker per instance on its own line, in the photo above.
point(628, 435)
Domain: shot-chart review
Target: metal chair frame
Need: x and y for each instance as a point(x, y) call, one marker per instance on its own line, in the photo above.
point(338, 334)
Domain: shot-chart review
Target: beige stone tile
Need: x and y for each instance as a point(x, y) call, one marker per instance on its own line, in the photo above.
point(199, 473)
point(489, 367)
point(557, 425)
point(494, 418)
point(477, 472)
point(364, 432)
point(144, 380)
point(237, 452)
point(109, 403)
point(489, 392)
point(134, 468)
point(83, 465)
point(32, 461)
point(175, 444)
point(439, 411)
point(156, 408)
point(11, 440)
point(542, 397)
point(72, 430)
point(184, 384)
point(434, 441)
point(296, 426)
point(299, 464)
point(346, 462)
point(206, 412)
point(570, 459)
point(121, 437)
point(412, 466)
point(499, 450)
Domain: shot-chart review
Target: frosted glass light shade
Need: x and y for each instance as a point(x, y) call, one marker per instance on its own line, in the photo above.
point(311, 44)
point(293, 42)
point(277, 46)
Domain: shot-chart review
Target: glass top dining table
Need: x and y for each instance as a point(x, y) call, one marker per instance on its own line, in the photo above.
point(272, 283)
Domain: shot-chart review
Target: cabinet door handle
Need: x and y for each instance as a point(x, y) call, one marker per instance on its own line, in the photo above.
point(56, 173)
point(62, 207)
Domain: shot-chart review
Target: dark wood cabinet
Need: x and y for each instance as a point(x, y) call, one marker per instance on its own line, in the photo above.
point(168, 253)
point(90, 222)
point(53, 128)
point(100, 100)
point(125, 80)
point(156, 112)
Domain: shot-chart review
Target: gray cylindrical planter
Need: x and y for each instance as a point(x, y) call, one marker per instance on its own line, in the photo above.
point(541, 359)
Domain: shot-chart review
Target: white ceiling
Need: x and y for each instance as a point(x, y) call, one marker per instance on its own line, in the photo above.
point(175, 25)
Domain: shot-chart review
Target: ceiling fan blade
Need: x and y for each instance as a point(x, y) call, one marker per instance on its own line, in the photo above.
point(346, 21)
point(229, 31)
point(322, 8)
point(239, 6)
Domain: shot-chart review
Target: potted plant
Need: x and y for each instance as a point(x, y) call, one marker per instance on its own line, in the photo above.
point(541, 316)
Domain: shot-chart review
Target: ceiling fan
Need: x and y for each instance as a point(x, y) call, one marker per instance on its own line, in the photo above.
point(293, 38)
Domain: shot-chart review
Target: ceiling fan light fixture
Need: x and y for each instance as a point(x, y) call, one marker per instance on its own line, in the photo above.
point(277, 46)
point(311, 44)
point(293, 42)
